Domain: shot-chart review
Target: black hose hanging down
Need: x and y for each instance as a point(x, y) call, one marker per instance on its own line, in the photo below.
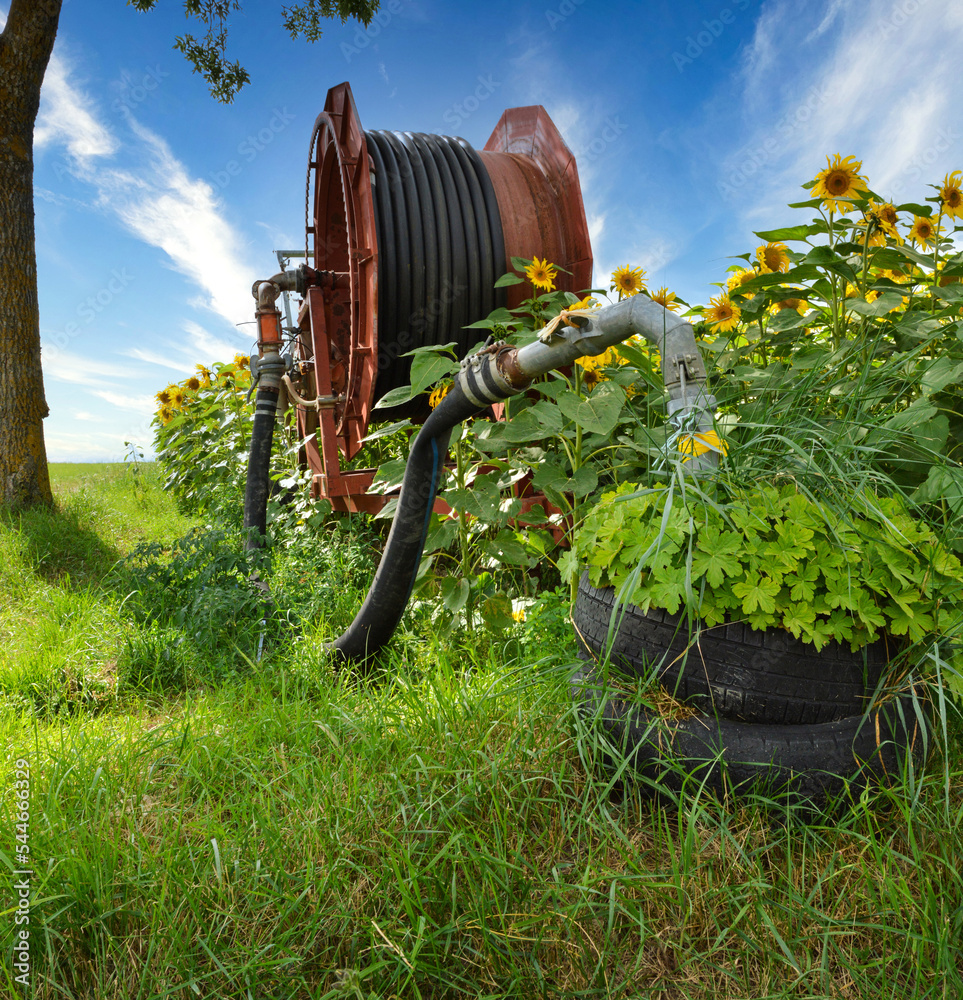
point(394, 579)
point(259, 463)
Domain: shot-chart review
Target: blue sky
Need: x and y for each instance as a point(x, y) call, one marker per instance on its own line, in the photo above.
point(693, 124)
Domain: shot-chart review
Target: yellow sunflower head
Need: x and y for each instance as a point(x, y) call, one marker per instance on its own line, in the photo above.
point(950, 195)
point(738, 278)
point(721, 315)
point(241, 361)
point(773, 257)
point(193, 383)
point(163, 397)
point(587, 303)
point(204, 374)
point(438, 394)
point(177, 397)
point(923, 231)
point(165, 414)
point(699, 442)
point(885, 216)
point(628, 280)
point(800, 305)
point(541, 274)
point(666, 299)
point(840, 180)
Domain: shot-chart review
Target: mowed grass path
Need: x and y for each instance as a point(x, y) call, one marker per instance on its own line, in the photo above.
point(276, 830)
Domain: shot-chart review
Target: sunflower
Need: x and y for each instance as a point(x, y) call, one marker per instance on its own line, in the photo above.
point(738, 278)
point(923, 231)
point(541, 274)
point(873, 294)
point(165, 414)
point(887, 216)
point(438, 394)
point(592, 365)
point(163, 397)
point(241, 361)
point(950, 195)
point(587, 303)
point(628, 280)
point(773, 257)
point(699, 443)
point(840, 179)
point(204, 373)
point(800, 305)
point(193, 383)
point(876, 236)
point(722, 315)
point(666, 299)
point(177, 397)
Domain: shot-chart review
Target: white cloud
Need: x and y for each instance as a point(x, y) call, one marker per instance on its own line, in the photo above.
point(134, 404)
point(167, 208)
point(902, 124)
point(65, 366)
point(67, 117)
point(152, 194)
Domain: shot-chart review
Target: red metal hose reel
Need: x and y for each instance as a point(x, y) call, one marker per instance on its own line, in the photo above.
point(342, 345)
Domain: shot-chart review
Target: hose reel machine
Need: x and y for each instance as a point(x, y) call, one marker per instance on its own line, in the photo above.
point(406, 234)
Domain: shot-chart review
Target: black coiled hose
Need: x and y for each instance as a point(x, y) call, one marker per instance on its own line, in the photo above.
point(440, 246)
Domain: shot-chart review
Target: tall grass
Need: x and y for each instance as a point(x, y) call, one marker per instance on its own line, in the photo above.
point(273, 828)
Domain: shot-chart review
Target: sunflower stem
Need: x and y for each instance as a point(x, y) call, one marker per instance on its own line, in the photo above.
point(936, 255)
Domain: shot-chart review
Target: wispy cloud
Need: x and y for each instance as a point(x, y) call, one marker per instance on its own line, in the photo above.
point(831, 97)
point(134, 404)
point(150, 192)
point(67, 117)
point(182, 355)
point(164, 206)
point(65, 366)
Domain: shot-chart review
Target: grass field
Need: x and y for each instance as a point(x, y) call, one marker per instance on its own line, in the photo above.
point(206, 824)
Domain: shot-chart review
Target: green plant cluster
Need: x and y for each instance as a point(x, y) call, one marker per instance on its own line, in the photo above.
point(776, 558)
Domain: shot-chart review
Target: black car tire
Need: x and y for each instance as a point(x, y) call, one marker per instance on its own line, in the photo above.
point(732, 670)
point(801, 765)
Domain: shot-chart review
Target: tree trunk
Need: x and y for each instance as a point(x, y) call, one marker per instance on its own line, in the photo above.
point(25, 47)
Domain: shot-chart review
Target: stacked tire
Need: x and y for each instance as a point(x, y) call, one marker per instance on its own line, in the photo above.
point(774, 716)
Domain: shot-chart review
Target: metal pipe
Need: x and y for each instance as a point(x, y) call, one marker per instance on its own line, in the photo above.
point(500, 371)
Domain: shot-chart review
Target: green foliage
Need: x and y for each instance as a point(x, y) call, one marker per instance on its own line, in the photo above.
point(776, 558)
point(208, 56)
point(195, 608)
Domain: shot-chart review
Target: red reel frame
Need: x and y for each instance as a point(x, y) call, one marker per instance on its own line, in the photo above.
point(540, 205)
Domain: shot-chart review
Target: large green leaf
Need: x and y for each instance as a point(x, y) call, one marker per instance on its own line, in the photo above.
point(395, 397)
point(428, 368)
point(882, 305)
point(941, 373)
point(599, 413)
point(792, 232)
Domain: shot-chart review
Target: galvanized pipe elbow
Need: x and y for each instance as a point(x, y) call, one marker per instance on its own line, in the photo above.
point(499, 371)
